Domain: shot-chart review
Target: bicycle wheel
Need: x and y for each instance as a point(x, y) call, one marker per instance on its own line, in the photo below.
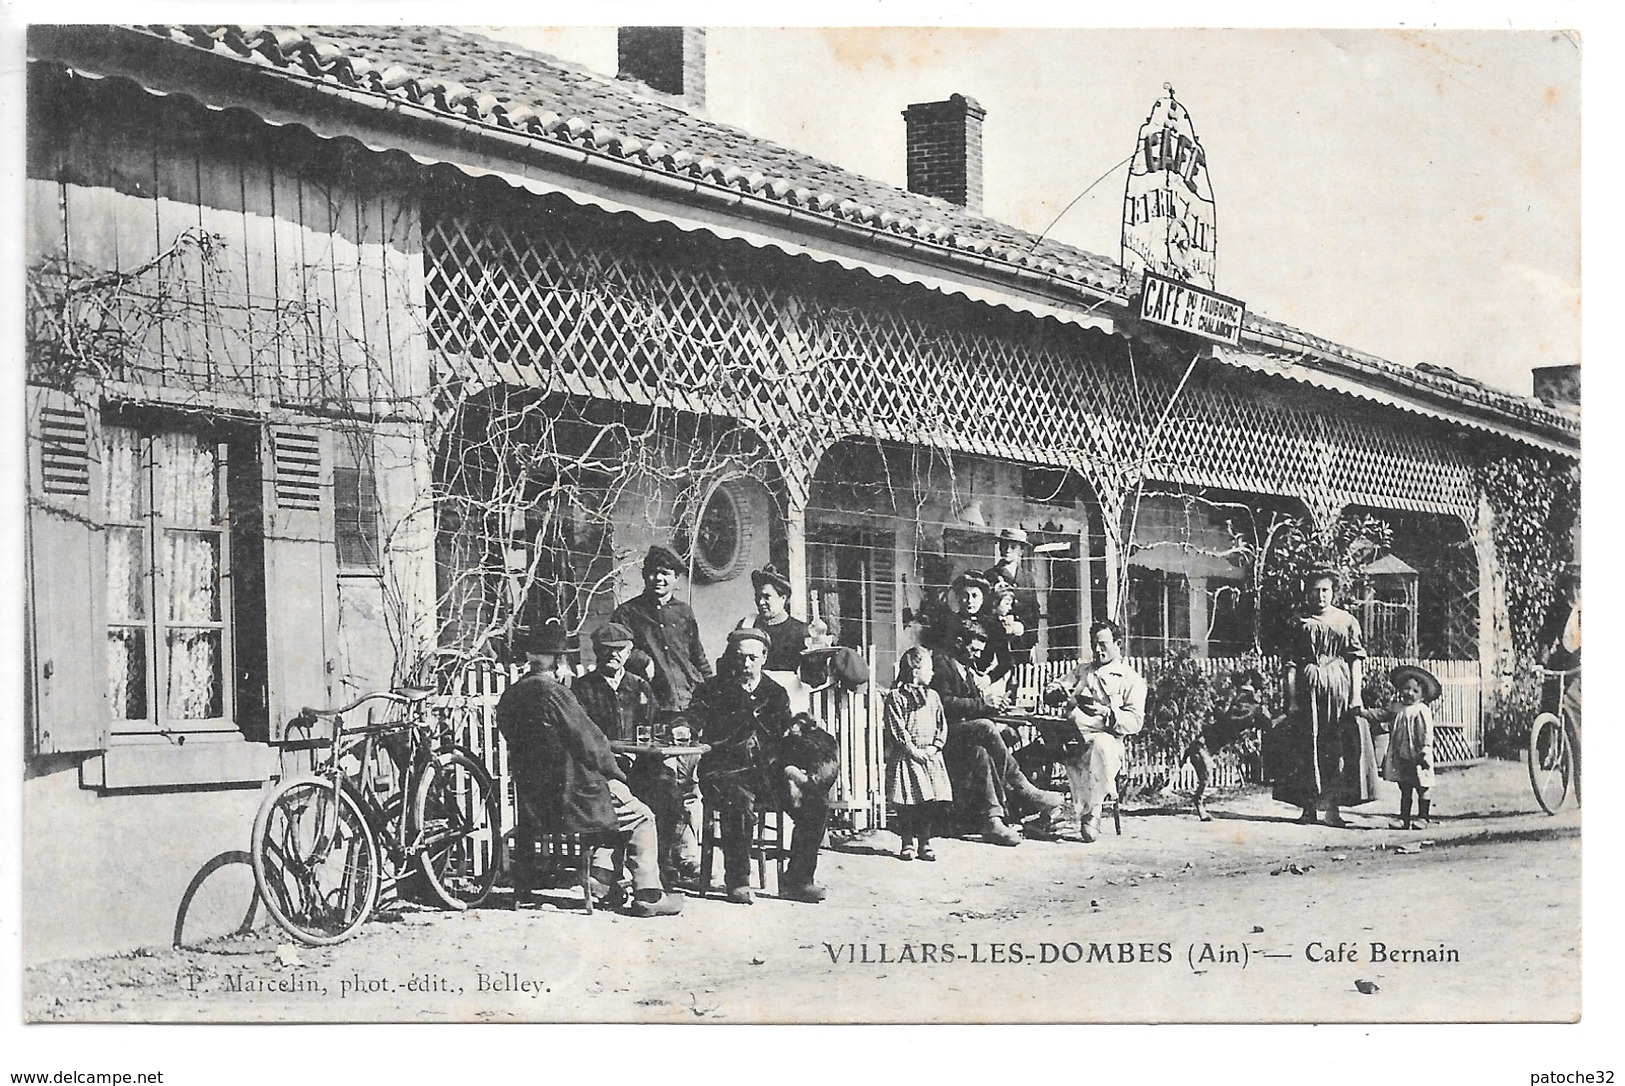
point(454, 819)
point(1550, 762)
point(315, 861)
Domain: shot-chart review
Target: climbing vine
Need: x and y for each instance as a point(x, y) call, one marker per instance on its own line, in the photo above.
point(1535, 502)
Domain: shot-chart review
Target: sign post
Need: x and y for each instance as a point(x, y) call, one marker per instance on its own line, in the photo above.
point(1169, 222)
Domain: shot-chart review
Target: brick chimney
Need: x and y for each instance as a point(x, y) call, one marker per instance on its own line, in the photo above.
point(1557, 385)
point(945, 150)
point(667, 58)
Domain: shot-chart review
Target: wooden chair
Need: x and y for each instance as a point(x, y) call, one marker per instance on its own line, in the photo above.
point(768, 835)
point(532, 850)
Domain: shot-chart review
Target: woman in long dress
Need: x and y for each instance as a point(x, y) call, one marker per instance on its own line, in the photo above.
point(1333, 761)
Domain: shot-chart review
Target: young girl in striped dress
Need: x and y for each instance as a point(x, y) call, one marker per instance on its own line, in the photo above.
point(916, 777)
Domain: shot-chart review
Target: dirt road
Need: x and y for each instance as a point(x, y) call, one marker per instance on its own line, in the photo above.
point(1247, 918)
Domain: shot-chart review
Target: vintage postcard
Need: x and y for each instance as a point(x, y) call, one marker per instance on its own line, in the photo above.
point(723, 525)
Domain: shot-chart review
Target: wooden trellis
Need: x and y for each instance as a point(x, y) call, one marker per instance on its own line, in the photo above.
point(559, 298)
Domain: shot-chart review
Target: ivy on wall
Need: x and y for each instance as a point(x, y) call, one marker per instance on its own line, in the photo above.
point(1536, 503)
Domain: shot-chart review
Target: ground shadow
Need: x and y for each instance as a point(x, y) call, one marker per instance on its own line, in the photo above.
point(220, 901)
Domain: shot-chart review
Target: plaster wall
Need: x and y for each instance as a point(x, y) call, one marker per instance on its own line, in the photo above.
point(108, 871)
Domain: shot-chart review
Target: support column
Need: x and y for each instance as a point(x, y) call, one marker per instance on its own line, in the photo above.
point(795, 540)
point(1491, 609)
point(1196, 592)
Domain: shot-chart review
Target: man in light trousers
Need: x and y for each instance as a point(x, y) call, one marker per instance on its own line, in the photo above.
point(1106, 700)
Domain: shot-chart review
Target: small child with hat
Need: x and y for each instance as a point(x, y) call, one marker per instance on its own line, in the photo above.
point(1409, 724)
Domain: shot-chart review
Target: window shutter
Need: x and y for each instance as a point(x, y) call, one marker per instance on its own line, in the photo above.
point(67, 665)
point(883, 598)
point(301, 605)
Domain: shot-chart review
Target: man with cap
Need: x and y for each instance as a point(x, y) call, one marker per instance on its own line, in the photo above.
point(664, 627)
point(990, 790)
point(743, 716)
point(622, 704)
point(1016, 634)
point(787, 636)
point(565, 775)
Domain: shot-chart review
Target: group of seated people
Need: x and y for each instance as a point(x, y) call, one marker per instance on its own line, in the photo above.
point(758, 751)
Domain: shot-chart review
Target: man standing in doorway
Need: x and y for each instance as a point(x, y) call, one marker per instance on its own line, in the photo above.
point(1106, 700)
point(664, 628)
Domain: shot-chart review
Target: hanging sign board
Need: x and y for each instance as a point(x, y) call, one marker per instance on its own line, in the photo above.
point(1168, 216)
point(1191, 309)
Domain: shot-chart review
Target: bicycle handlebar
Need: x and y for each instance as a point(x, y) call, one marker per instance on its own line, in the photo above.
point(1548, 673)
point(403, 697)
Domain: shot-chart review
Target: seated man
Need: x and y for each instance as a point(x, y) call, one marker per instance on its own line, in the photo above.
point(1106, 701)
point(564, 773)
point(745, 718)
point(622, 704)
point(990, 790)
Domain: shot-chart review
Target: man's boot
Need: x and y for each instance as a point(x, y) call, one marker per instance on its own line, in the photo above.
point(995, 832)
point(802, 891)
point(654, 903)
point(1089, 829)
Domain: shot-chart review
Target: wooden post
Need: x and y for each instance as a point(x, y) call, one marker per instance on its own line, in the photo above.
point(795, 537)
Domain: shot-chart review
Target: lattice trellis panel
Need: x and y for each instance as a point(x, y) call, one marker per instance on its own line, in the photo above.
point(600, 312)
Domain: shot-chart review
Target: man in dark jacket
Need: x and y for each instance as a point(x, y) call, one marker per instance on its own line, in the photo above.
point(744, 717)
point(664, 627)
point(622, 704)
point(564, 773)
point(988, 784)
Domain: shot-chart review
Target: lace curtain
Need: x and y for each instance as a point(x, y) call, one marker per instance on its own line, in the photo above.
point(167, 479)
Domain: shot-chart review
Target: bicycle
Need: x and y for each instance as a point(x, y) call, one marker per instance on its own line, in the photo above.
point(388, 789)
point(1554, 749)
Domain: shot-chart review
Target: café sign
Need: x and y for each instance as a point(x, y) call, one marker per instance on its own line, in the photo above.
point(1168, 215)
point(1191, 309)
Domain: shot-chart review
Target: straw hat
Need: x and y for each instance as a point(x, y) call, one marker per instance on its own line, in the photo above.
point(1431, 688)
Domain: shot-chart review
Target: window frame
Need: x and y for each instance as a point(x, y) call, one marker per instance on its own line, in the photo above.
point(354, 458)
point(148, 428)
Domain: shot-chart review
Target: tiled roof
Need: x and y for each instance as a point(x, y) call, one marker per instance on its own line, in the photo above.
point(474, 78)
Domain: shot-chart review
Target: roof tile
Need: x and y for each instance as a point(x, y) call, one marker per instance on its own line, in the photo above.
point(504, 84)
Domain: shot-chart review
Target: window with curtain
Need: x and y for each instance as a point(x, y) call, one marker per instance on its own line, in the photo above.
point(168, 644)
point(355, 504)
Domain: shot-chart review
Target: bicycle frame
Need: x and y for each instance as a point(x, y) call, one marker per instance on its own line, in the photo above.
point(387, 821)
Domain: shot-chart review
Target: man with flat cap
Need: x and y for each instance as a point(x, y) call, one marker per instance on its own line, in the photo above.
point(622, 704)
point(565, 776)
point(664, 628)
point(744, 716)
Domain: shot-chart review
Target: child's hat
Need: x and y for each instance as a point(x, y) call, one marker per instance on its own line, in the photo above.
point(1431, 689)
